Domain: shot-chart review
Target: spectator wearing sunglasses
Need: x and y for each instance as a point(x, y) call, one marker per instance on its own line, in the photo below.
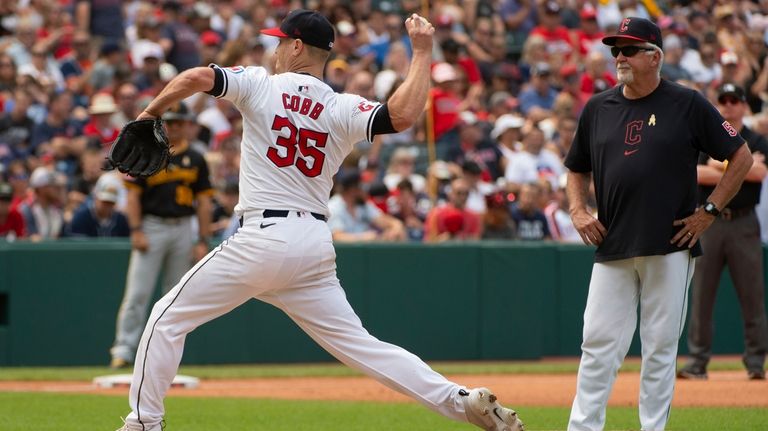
point(640, 143)
point(733, 240)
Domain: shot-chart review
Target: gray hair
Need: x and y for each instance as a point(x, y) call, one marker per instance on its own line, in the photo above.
point(661, 55)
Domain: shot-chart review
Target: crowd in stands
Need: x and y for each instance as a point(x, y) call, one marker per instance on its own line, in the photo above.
point(510, 78)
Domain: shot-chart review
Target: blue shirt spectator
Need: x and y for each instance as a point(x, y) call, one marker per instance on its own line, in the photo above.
point(98, 217)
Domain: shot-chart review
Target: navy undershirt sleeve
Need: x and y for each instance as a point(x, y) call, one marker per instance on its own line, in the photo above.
point(218, 82)
point(382, 123)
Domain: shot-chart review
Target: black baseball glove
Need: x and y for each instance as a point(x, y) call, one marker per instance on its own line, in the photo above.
point(141, 149)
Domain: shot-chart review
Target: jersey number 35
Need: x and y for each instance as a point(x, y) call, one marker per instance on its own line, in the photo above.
point(298, 138)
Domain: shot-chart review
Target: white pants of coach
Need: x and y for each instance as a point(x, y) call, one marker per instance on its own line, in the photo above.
point(291, 264)
point(660, 285)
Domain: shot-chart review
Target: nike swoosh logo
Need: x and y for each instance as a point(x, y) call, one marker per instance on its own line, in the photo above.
point(630, 152)
point(266, 225)
point(497, 415)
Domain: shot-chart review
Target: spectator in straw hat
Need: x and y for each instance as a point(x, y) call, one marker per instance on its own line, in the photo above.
point(100, 125)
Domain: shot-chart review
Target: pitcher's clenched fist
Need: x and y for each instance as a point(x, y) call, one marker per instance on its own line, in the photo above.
point(420, 31)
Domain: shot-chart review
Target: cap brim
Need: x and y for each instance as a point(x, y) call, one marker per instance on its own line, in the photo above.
point(733, 94)
point(107, 197)
point(275, 31)
point(611, 40)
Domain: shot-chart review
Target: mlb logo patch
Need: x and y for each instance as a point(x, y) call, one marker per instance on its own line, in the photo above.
point(236, 69)
point(728, 128)
point(303, 88)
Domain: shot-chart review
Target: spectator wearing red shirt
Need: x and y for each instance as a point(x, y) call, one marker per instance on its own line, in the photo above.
point(453, 220)
point(596, 78)
point(453, 55)
point(452, 52)
point(588, 32)
point(446, 105)
point(11, 221)
point(551, 29)
point(102, 107)
point(570, 81)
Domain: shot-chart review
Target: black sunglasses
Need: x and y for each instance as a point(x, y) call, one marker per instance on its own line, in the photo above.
point(729, 100)
point(628, 51)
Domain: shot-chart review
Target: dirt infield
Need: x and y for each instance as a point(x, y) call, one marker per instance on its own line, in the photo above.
point(723, 389)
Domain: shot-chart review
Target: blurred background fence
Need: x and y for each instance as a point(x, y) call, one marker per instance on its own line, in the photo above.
point(459, 301)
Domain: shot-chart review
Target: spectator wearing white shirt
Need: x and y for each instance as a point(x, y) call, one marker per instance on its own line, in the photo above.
point(353, 218)
point(548, 164)
point(400, 167)
point(519, 167)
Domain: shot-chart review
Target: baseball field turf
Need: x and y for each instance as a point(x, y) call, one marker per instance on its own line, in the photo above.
point(24, 410)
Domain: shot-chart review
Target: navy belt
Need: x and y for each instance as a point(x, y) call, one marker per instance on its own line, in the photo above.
point(284, 213)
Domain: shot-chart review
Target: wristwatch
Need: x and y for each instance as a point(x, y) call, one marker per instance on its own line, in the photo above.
point(711, 208)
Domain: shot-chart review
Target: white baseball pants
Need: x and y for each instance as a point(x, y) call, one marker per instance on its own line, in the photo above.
point(660, 285)
point(291, 264)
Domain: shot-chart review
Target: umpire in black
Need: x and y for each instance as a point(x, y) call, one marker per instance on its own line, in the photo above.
point(732, 240)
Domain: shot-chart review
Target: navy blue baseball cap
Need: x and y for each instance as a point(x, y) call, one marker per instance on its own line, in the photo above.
point(308, 26)
point(639, 29)
point(729, 89)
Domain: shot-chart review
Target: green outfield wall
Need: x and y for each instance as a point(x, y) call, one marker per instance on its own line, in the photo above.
point(461, 301)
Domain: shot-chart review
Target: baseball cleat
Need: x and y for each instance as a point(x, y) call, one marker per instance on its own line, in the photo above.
point(119, 363)
point(692, 372)
point(482, 410)
point(126, 427)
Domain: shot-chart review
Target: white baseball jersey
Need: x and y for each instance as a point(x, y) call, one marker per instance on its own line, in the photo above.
point(296, 133)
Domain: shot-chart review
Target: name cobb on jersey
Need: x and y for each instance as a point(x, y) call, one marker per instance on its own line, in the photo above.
point(302, 105)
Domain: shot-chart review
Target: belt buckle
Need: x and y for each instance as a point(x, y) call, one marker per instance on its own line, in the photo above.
point(726, 214)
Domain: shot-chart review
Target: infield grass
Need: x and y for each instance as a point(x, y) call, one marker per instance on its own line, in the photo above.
point(67, 412)
point(546, 366)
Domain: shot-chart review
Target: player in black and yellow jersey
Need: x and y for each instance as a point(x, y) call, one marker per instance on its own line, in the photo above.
point(165, 236)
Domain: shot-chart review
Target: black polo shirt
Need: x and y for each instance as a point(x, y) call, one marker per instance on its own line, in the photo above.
point(643, 155)
point(749, 194)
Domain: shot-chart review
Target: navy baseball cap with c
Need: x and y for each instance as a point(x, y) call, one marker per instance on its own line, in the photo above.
point(308, 26)
point(639, 29)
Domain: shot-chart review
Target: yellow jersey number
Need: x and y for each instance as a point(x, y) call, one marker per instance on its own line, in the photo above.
point(184, 196)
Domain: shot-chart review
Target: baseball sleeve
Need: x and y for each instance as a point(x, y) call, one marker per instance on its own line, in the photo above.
point(357, 117)
point(238, 84)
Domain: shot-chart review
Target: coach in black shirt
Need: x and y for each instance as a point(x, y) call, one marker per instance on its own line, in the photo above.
point(639, 142)
point(733, 240)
